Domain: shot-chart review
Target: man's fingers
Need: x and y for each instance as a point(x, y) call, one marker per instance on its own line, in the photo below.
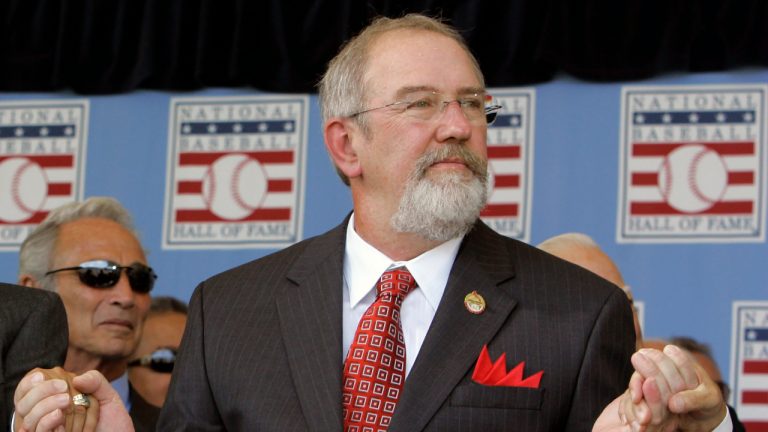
point(79, 413)
point(634, 415)
point(704, 398)
point(69, 420)
point(642, 415)
point(94, 383)
point(659, 412)
point(41, 400)
point(50, 421)
point(645, 363)
point(31, 379)
point(636, 387)
point(685, 365)
point(34, 388)
point(92, 416)
point(670, 372)
point(112, 413)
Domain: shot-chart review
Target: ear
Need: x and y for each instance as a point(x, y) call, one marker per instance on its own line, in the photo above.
point(28, 281)
point(339, 135)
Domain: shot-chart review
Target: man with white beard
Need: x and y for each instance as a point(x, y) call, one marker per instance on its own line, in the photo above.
point(407, 316)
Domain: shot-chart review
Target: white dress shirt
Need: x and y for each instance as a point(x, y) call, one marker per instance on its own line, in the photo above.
point(120, 385)
point(364, 265)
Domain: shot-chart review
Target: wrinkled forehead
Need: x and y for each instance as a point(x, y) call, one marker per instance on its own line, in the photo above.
point(96, 238)
point(405, 59)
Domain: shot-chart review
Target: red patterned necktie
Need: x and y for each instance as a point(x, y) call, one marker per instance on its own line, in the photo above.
point(374, 371)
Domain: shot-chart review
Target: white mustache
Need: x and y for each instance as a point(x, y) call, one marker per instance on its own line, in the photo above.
point(478, 166)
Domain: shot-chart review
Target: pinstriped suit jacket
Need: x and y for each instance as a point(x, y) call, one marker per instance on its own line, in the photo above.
point(33, 333)
point(262, 348)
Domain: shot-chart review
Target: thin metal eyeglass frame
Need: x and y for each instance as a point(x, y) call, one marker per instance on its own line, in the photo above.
point(491, 111)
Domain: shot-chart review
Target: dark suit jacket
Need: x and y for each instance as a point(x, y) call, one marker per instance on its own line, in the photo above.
point(143, 414)
point(738, 426)
point(33, 333)
point(262, 350)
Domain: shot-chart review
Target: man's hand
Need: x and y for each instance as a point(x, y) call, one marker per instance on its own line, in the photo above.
point(669, 391)
point(112, 415)
point(43, 402)
point(701, 408)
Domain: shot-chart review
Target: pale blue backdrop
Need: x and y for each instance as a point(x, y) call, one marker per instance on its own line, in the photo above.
point(687, 289)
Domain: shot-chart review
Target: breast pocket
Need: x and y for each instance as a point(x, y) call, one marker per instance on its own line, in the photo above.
point(480, 396)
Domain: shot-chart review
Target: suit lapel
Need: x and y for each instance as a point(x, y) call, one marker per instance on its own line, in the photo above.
point(456, 336)
point(310, 321)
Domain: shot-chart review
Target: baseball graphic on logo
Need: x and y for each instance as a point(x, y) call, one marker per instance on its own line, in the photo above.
point(234, 186)
point(693, 178)
point(23, 189)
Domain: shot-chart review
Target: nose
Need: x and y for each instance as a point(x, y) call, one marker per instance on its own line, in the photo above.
point(453, 124)
point(121, 294)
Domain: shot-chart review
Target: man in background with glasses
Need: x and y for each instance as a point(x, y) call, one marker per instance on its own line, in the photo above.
point(149, 370)
point(89, 253)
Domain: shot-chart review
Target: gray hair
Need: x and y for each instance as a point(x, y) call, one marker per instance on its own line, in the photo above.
point(36, 253)
point(342, 89)
point(165, 304)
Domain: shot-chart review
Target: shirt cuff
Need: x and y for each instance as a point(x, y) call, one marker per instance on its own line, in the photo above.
point(726, 425)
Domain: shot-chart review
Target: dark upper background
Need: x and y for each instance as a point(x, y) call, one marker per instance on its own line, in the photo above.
point(114, 46)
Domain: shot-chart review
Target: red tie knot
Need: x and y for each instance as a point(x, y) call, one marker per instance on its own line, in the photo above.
point(397, 281)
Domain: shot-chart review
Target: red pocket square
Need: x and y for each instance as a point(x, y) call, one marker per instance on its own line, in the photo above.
point(495, 373)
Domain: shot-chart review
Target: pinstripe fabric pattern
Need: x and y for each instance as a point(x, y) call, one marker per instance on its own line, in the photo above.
point(237, 370)
point(143, 414)
point(33, 333)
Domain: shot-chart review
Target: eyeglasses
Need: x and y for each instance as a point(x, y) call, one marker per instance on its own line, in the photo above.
point(106, 274)
point(428, 105)
point(161, 360)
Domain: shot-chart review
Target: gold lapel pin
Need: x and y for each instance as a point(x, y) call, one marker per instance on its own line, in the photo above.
point(475, 303)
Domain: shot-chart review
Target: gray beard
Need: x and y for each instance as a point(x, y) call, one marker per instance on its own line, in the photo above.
point(445, 207)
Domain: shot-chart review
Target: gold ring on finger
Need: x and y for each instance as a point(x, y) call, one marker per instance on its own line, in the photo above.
point(81, 399)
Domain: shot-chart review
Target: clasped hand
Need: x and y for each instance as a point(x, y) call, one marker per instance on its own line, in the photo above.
point(667, 392)
point(43, 402)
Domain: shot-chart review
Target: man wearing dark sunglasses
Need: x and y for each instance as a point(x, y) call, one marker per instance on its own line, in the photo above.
point(89, 253)
point(149, 370)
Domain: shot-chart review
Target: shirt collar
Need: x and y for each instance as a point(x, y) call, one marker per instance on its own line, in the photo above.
point(120, 385)
point(364, 264)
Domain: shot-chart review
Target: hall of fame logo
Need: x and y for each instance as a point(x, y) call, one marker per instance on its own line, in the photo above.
point(749, 363)
point(692, 164)
point(510, 163)
point(236, 168)
point(42, 158)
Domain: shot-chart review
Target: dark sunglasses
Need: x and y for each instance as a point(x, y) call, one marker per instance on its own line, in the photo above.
point(106, 274)
point(161, 360)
